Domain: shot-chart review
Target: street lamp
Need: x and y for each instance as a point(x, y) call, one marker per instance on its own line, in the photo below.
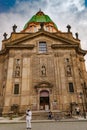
point(81, 96)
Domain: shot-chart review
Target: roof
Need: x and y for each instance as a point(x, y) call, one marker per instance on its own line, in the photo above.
point(38, 18)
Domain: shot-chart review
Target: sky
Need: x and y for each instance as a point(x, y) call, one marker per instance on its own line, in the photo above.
point(62, 12)
point(85, 2)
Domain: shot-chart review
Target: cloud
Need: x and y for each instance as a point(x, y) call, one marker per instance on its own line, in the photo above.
point(62, 12)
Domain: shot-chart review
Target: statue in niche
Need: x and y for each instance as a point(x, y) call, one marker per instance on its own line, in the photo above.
point(68, 70)
point(43, 70)
point(80, 73)
point(17, 61)
point(17, 71)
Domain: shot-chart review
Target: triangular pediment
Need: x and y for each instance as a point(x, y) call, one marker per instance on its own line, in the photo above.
point(56, 40)
point(22, 40)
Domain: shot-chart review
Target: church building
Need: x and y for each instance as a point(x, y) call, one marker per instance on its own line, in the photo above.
point(42, 68)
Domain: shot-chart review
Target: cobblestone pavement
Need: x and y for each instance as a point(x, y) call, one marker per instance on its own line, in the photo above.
point(78, 125)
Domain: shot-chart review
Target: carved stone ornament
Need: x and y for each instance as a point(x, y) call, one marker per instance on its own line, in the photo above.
point(44, 84)
point(43, 70)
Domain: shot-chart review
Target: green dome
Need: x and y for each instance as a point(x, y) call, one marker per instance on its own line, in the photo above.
point(38, 18)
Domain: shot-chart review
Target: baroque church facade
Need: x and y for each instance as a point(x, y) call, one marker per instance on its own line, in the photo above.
point(42, 68)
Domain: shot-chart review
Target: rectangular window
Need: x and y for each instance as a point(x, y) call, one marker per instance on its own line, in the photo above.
point(16, 89)
point(42, 47)
point(71, 88)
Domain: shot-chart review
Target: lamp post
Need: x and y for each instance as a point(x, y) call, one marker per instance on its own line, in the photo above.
point(81, 96)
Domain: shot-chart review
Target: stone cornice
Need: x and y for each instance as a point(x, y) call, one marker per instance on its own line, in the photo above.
point(80, 51)
point(57, 46)
point(75, 46)
point(7, 47)
point(20, 46)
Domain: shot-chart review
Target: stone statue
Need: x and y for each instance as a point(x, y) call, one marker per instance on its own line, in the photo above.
point(68, 70)
point(76, 35)
point(80, 73)
point(43, 70)
point(17, 71)
point(68, 27)
point(14, 28)
point(5, 35)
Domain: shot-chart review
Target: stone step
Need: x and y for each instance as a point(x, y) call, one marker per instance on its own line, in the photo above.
point(40, 115)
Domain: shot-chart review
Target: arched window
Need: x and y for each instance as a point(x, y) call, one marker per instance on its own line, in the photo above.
point(42, 47)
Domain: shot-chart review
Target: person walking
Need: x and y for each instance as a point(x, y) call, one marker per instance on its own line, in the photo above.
point(28, 119)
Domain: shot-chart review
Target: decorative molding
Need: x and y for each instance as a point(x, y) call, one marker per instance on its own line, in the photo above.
point(44, 84)
point(56, 46)
point(20, 46)
point(75, 46)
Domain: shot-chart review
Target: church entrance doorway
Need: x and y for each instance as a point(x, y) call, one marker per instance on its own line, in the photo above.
point(44, 100)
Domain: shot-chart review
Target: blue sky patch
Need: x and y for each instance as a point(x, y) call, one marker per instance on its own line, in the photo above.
point(5, 5)
point(86, 3)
